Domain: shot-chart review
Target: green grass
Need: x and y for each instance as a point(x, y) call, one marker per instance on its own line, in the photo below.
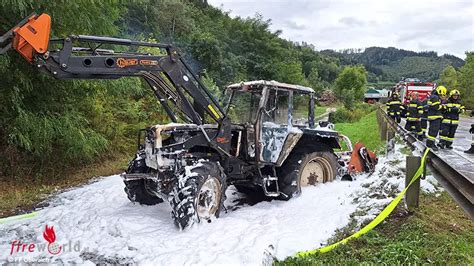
point(365, 130)
point(302, 111)
point(17, 196)
point(437, 233)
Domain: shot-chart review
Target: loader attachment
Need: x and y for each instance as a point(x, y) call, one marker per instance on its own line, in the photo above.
point(29, 36)
point(362, 160)
point(355, 160)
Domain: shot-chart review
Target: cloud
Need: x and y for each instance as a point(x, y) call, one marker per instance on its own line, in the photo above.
point(442, 26)
point(293, 25)
point(351, 21)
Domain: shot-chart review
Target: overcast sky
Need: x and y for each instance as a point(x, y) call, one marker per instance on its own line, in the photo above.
point(442, 26)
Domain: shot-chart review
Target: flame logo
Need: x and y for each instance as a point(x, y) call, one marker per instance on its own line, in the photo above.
point(50, 236)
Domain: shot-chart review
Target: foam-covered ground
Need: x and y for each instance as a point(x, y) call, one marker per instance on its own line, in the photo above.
point(104, 227)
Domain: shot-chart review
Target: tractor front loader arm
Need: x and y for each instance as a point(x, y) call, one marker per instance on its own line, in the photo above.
point(171, 79)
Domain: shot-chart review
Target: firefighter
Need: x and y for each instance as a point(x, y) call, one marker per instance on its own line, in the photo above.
point(435, 115)
point(414, 113)
point(424, 116)
point(450, 121)
point(471, 150)
point(394, 106)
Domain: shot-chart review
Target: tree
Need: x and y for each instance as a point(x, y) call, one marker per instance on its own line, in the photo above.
point(350, 85)
point(290, 72)
point(315, 82)
point(466, 81)
point(449, 78)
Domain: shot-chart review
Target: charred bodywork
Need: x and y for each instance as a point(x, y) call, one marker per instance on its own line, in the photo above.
point(254, 149)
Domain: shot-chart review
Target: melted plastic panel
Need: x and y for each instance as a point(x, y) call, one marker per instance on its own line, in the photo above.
point(273, 139)
point(275, 128)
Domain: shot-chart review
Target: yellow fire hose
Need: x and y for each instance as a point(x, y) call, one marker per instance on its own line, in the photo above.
point(18, 217)
point(384, 214)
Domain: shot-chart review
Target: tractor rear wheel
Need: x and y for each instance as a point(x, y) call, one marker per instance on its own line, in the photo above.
point(199, 195)
point(305, 168)
point(140, 190)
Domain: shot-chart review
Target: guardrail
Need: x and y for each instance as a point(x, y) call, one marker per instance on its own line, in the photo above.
point(457, 184)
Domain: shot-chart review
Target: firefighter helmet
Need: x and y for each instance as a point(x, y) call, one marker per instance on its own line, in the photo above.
point(454, 92)
point(441, 90)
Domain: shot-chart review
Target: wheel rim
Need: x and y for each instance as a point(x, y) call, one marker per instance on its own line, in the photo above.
point(209, 198)
point(317, 170)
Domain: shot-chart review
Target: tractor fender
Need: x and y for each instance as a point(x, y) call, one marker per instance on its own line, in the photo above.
point(320, 142)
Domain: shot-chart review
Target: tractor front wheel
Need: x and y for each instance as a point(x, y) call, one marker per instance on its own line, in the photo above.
point(199, 194)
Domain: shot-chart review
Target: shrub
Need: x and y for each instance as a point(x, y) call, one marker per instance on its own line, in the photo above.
point(343, 115)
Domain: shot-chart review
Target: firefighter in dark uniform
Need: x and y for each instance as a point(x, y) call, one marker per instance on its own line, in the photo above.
point(424, 116)
point(450, 121)
point(414, 113)
point(435, 115)
point(394, 107)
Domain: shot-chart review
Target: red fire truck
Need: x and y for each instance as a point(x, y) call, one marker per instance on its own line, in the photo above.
point(409, 85)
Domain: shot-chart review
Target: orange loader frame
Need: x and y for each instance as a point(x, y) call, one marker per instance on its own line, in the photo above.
point(28, 37)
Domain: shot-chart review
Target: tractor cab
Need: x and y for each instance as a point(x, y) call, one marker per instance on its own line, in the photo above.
point(266, 111)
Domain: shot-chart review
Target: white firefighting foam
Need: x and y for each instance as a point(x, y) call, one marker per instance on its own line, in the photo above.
point(110, 229)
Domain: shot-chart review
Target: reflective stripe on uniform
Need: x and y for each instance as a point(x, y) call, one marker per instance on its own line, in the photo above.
point(433, 117)
point(443, 137)
point(449, 121)
point(412, 119)
point(431, 137)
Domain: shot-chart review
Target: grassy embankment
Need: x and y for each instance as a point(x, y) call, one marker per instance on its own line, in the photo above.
point(17, 196)
point(438, 232)
point(365, 130)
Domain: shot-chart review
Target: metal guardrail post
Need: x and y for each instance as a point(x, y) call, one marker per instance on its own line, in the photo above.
point(413, 193)
point(390, 134)
point(382, 124)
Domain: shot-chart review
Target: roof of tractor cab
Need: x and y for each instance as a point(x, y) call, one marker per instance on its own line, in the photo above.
point(260, 84)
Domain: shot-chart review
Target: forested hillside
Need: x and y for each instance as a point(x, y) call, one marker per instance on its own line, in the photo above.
point(390, 64)
point(49, 125)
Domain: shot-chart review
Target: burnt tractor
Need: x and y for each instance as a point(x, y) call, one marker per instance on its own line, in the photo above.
point(253, 143)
